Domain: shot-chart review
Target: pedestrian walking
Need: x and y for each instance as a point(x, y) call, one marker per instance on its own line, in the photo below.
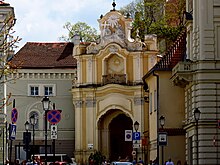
point(169, 162)
point(178, 162)
point(140, 161)
point(91, 159)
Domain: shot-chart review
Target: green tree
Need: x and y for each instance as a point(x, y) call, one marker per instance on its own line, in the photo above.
point(165, 19)
point(86, 32)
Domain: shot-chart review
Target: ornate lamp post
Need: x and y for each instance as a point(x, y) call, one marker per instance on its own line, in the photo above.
point(197, 116)
point(26, 140)
point(136, 126)
point(33, 122)
point(162, 122)
point(46, 103)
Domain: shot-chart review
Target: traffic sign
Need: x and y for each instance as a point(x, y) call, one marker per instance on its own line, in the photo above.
point(128, 135)
point(162, 138)
point(133, 153)
point(136, 144)
point(12, 131)
point(136, 136)
point(53, 131)
point(14, 115)
point(54, 116)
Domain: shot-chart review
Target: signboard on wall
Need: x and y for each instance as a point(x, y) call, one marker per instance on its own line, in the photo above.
point(128, 135)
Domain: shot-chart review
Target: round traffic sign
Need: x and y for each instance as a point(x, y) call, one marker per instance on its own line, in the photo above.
point(54, 116)
point(14, 115)
point(133, 153)
point(128, 136)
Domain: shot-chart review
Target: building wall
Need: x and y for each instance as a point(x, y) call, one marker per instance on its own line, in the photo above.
point(171, 106)
point(202, 89)
point(25, 104)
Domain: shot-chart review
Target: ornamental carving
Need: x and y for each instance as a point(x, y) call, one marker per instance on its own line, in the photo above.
point(114, 79)
point(136, 45)
point(115, 64)
point(78, 103)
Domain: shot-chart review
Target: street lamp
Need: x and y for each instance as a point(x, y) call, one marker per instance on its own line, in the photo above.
point(46, 103)
point(136, 126)
point(162, 122)
point(33, 122)
point(197, 116)
point(26, 139)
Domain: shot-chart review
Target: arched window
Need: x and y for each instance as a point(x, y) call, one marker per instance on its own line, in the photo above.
point(36, 115)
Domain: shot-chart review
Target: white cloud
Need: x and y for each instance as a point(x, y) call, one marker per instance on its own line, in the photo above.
point(43, 20)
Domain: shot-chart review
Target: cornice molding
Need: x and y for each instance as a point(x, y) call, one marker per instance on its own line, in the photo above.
point(67, 76)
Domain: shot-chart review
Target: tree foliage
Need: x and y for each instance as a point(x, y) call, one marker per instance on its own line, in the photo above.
point(165, 19)
point(7, 44)
point(86, 32)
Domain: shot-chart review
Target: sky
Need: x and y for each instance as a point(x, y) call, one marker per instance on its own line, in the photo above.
point(43, 20)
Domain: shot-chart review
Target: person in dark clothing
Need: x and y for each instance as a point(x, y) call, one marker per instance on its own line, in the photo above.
point(91, 159)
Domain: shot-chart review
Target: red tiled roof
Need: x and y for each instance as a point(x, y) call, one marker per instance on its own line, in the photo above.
point(45, 55)
point(175, 54)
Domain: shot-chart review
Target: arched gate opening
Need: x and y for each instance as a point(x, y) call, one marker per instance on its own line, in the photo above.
point(118, 145)
point(112, 126)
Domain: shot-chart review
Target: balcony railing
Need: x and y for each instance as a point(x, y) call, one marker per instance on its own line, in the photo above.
point(182, 73)
point(182, 66)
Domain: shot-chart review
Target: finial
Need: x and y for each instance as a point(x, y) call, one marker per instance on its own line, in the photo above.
point(113, 4)
point(101, 16)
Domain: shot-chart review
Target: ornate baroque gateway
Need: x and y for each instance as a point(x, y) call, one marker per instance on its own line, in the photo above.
point(108, 91)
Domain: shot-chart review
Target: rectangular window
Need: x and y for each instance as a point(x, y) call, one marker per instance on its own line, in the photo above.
point(155, 100)
point(34, 90)
point(48, 90)
point(150, 103)
point(41, 89)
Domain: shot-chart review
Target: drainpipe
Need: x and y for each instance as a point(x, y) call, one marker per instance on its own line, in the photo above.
point(157, 76)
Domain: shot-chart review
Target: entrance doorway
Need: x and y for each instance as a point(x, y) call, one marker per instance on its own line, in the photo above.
point(118, 145)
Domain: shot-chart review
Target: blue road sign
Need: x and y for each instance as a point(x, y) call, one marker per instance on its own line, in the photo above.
point(14, 115)
point(54, 116)
point(12, 131)
point(136, 136)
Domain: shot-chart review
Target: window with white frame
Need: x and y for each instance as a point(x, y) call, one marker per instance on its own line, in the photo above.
point(41, 90)
point(34, 90)
point(48, 90)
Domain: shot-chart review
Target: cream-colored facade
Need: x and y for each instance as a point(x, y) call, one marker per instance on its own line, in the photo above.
point(200, 80)
point(199, 77)
point(108, 95)
point(166, 100)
